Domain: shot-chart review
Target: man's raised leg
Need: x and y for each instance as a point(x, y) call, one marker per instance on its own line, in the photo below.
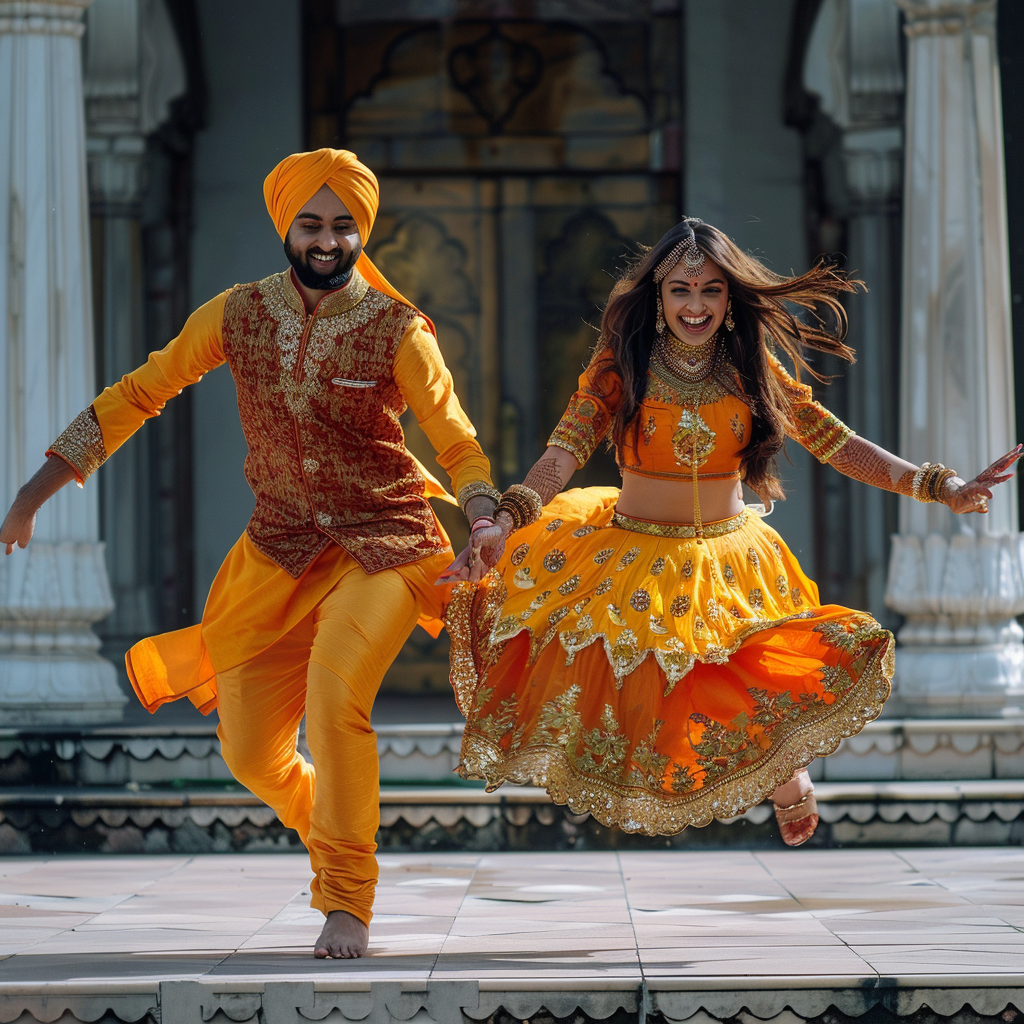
point(359, 629)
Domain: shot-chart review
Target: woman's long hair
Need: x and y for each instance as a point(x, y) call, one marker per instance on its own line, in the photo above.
point(762, 321)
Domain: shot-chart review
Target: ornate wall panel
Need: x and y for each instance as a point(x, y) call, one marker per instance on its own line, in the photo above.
point(520, 162)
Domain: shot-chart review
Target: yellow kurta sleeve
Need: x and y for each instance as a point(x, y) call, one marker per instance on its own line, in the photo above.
point(427, 388)
point(95, 434)
point(813, 426)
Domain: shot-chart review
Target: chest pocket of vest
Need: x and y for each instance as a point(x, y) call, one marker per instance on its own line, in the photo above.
point(360, 404)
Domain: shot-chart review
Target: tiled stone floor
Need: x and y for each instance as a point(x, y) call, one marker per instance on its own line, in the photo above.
point(580, 917)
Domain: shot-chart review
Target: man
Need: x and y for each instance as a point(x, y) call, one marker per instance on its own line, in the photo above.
point(339, 559)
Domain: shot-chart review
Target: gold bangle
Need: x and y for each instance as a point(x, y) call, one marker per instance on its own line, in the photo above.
point(915, 489)
point(523, 505)
point(531, 499)
point(930, 481)
point(937, 484)
point(477, 489)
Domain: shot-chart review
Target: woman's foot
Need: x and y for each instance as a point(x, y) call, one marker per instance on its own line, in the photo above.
point(796, 810)
point(344, 937)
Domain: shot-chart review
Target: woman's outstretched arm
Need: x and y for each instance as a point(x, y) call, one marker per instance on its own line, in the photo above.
point(833, 443)
point(866, 462)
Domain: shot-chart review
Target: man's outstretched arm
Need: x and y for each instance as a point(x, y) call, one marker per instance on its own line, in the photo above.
point(115, 415)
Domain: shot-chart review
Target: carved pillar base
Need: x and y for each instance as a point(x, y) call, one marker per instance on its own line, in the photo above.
point(50, 673)
point(960, 682)
point(961, 652)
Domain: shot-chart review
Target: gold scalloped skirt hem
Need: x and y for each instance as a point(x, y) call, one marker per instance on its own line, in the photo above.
point(650, 810)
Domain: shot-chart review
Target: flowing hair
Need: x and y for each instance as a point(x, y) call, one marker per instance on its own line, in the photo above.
point(763, 323)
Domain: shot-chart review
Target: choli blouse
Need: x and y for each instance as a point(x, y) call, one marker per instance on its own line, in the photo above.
point(682, 426)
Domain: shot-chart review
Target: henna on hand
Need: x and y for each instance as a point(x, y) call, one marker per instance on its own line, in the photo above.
point(545, 478)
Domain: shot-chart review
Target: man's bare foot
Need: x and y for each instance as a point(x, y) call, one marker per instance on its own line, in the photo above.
point(344, 937)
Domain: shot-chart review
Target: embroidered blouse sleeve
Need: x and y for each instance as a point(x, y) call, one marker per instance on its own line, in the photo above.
point(97, 432)
point(813, 426)
point(588, 417)
point(426, 385)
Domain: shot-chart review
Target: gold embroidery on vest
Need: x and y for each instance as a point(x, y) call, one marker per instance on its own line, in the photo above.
point(326, 463)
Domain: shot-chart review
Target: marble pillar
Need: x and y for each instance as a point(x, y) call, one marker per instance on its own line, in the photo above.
point(854, 67)
point(958, 580)
point(51, 593)
point(126, 98)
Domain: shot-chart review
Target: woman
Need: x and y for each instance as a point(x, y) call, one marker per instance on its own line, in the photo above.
point(656, 655)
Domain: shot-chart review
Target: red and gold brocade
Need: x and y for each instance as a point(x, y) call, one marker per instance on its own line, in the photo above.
point(320, 405)
point(651, 678)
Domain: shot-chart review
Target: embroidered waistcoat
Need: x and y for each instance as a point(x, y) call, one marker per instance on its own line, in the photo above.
point(320, 411)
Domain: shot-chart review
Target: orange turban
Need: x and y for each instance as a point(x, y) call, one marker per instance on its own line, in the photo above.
point(297, 178)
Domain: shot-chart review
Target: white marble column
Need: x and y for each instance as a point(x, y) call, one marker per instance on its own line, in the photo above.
point(854, 66)
point(958, 581)
point(126, 98)
point(50, 594)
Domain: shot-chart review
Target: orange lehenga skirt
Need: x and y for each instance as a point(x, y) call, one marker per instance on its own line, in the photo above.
point(651, 679)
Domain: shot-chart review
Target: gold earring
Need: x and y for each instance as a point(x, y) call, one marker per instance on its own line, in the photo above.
point(730, 324)
point(659, 320)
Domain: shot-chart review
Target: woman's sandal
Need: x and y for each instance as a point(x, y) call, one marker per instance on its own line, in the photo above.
point(798, 821)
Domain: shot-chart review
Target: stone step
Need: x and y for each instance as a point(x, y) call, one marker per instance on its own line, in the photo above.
point(157, 820)
point(889, 749)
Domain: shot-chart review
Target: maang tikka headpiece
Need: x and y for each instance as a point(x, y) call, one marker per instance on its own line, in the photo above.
point(685, 252)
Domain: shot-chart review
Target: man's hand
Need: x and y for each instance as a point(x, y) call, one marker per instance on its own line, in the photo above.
point(18, 526)
point(20, 522)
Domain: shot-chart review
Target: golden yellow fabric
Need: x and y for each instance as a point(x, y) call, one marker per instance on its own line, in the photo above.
point(666, 432)
point(655, 682)
point(297, 178)
point(253, 602)
point(588, 416)
point(672, 418)
point(140, 395)
point(426, 384)
point(328, 665)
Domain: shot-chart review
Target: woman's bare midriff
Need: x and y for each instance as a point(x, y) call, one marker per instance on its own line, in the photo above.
point(671, 501)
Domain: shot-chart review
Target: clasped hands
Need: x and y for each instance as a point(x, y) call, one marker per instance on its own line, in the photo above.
point(486, 546)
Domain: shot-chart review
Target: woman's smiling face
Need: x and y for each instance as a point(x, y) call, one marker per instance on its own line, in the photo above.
point(695, 304)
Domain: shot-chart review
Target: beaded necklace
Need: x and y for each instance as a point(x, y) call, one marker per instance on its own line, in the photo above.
point(694, 367)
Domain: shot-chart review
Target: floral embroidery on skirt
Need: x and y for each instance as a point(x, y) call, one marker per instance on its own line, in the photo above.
point(655, 682)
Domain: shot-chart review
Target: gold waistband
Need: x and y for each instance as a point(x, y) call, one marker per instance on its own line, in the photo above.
point(678, 531)
point(688, 477)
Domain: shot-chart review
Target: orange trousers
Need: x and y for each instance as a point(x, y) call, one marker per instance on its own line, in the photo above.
point(329, 667)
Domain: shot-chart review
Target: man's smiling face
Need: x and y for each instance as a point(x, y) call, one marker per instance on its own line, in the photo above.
point(323, 242)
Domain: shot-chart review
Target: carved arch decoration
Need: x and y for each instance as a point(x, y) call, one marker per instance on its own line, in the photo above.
point(426, 264)
point(423, 97)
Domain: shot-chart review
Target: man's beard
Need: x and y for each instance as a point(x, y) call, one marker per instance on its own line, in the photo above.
point(311, 278)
